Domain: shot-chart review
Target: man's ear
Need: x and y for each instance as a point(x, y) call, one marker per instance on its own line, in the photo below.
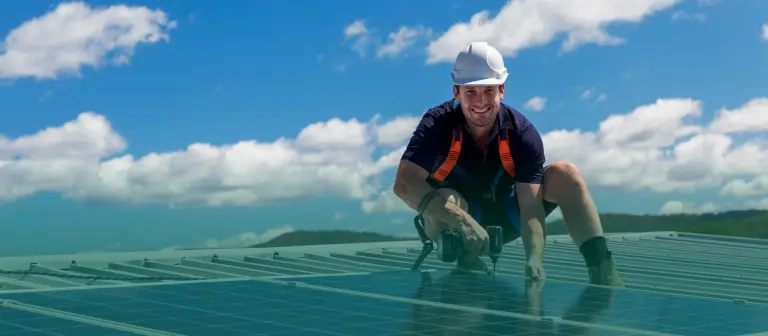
point(456, 92)
point(501, 91)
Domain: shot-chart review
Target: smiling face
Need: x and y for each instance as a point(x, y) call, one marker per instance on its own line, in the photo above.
point(480, 104)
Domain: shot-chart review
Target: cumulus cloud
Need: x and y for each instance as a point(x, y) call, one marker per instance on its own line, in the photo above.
point(359, 34)
point(241, 240)
point(765, 32)
point(685, 16)
point(397, 131)
point(396, 43)
point(704, 3)
point(386, 202)
point(679, 207)
point(402, 39)
point(536, 103)
point(84, 159)
point(524, 24)
point(661, 146)
point(761, 204)
point(751, 117)
point(75, 35)
point(589, 93)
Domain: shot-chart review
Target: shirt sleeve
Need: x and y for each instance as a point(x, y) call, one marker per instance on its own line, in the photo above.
point(530, 165)
point(423, 149)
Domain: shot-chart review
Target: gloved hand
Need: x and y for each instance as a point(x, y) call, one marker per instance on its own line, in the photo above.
point(475, 237)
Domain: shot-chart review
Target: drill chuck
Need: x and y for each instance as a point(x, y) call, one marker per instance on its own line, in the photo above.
point(495, 241)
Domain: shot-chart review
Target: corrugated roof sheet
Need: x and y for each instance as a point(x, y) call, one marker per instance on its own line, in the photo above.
point(682, 263)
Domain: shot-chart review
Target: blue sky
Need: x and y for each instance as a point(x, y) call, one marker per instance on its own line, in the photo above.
point(658, 101)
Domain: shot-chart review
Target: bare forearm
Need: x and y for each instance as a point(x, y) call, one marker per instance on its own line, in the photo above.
point(412, 191)
point(532, 231)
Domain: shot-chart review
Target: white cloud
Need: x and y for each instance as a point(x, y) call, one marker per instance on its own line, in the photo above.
point(75, 35)
point(761, 204)
point(679, 207)
point(84, 159)
point(757, 186)
point(586, 94)
point(397, 42)
point(356, 28)
point(661, 146)
point(683, 15)
point(524, 24)
point(751, 117)
point(405, 37)
point(241, 240)
point(386, 202)
point(537, 103)
point(397, 131)
point(248, 238)
point(601, 97)
point(658, 147)
point(359, 34)
point(589, 93)
point(704, 3)
point(765, 32)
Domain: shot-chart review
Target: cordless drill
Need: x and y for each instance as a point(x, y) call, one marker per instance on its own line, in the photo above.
point(450, 245)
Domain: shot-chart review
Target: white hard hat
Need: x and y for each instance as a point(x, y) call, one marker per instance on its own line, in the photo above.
point(479, 64)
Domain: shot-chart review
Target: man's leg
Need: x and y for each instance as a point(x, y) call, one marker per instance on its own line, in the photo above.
point(433, 227)
point(565, 186)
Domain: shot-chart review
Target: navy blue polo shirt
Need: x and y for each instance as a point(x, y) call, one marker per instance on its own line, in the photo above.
point(431, 142)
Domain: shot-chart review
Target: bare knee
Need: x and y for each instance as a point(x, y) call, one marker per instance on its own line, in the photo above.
point(562, 180)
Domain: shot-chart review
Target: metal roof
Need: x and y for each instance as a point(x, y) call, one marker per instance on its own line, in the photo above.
point(671, 262)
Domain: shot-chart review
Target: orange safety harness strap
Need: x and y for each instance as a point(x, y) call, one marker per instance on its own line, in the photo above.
point(506, 154)
point(453, 157)
point(442, 172)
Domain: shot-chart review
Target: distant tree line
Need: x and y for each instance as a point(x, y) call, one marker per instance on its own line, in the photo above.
point(747, 223)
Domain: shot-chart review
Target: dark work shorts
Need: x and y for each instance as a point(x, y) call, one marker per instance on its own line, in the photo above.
point(503, 212)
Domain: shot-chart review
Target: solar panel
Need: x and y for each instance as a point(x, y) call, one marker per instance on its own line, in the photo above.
point(15, 322)
point(224, 308)
point(622, 308)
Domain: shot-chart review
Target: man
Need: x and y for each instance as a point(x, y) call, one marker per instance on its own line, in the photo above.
point(474, 162)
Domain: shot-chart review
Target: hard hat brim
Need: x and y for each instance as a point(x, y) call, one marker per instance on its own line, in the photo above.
point(480, 81)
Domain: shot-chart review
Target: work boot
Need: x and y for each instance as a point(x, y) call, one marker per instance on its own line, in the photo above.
point(605, 274)
point(473, 264)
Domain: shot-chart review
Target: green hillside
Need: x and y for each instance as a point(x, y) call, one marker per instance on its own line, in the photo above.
point(748, 223)
point(745, 223)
